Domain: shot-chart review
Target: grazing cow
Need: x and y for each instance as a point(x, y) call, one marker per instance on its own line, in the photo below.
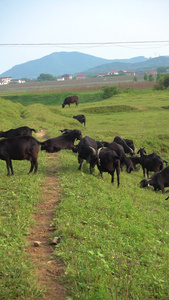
point(20, 148)
point(121, 154)
point(150, 163)
point(135, 160)
point(158, 180)
point(64, 141)
point(108, 161)
point(63, 131)
point(20, 131)
point(123, 143)
point(87, 149)
point(80, 118)
point(99, 144)
point(69, 100)
point(130, 144)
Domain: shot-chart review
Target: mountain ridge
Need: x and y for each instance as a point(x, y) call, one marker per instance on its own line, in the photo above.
point(59, 63)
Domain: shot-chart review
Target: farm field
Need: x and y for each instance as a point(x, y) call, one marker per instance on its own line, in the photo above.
point(114, 242)
point(75, 85)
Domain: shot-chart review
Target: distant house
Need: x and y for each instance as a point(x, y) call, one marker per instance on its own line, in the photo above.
point(80, 76)
point(113, 72)
point(17, 81)
point(5, 80)
point(129, 72)
point(67, 77)
point(60, 79)
point(139, 73)
point(101, 74)
point(151, 72)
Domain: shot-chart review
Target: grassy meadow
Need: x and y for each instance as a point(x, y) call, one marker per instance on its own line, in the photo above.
point(114, 241)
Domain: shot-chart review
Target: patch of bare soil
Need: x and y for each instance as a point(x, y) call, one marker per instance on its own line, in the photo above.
point(41, 133)
point(142, 108)
point(48, 269)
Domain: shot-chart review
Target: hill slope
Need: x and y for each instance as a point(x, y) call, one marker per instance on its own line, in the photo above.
point(149, 64)
point(57, 64)
point(60, 63)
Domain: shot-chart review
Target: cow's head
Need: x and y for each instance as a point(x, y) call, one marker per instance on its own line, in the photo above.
point(142, 151)
point(144, 183)
point(77, 134)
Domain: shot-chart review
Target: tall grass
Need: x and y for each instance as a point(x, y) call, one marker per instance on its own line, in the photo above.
point(114, 241)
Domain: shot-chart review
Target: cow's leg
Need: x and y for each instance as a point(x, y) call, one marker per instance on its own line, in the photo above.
point(32, 166)
point(118, 177)
point(112, 177)
point(9, 166)
point(80, 160)
point(32, 161)
point(91, 169)
point(101, 173)
point(162, 188)
point(36, 166)
point(118, 172)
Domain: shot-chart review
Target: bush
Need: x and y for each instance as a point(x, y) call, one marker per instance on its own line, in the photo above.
point(109, 91)
point(162, 83)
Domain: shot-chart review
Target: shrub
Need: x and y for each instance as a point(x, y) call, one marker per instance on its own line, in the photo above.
point(162, 83)
point(109, 91)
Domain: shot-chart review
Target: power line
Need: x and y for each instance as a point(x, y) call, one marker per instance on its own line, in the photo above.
point(83, 44)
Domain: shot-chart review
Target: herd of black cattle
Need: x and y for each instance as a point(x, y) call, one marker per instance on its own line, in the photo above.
point(18, 144)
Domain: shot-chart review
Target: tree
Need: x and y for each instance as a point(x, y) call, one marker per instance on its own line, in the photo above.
point(166, 81)
point(161, 70)
point(135, 78)
point(159, 75)
point(145, 77)
point(162, 83)
point(150, 77)
point(46, 77)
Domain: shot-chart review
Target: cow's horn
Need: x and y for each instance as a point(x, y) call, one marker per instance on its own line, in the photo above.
point(98, 151)
point(94, 151)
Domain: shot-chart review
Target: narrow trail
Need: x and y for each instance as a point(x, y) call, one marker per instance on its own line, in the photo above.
point(48, 269)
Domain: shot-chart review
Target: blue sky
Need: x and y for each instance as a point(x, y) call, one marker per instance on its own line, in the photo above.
point(89, 21)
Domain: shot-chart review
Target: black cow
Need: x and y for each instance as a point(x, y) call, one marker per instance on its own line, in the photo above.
point(158, 180)
point(63, 131)
point(64, 141)
point(20, 148)
point(150, 163)
point(80, 118)
point(130, 144)
point(87, 149)
point(108, 161)
point(69, 100)
point(135, 160)
point(123, 143)
point(121, 154)
point(20, 131)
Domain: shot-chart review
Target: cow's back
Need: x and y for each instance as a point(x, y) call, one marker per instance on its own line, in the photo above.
point(18, 147)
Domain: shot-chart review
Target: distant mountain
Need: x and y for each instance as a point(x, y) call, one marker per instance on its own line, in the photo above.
point(56, 64)
point(60, 63)
point(144, 65)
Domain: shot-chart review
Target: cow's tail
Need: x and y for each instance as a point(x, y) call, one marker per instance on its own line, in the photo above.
point(33, 130)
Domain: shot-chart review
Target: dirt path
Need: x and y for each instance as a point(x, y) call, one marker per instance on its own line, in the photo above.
point(48, 269)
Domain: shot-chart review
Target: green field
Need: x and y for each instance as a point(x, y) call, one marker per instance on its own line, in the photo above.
point(114, 241)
